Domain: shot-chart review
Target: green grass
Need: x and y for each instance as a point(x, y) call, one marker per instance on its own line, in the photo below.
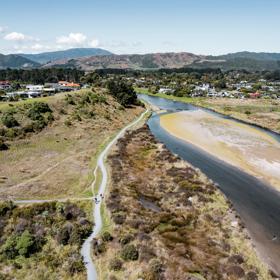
point(7, 105)
point(106, 220)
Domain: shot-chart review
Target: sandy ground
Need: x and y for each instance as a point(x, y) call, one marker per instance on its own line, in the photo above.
point(236, 143)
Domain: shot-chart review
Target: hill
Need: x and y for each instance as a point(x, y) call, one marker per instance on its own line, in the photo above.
point(16, 61)
point(231, 63)
point(45, 57)
point(242, 60)
point(250, 55)
point(133, 61)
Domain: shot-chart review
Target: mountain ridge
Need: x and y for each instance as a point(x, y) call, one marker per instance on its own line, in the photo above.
point(82, 58)
point(72, 53)
point(16, 61)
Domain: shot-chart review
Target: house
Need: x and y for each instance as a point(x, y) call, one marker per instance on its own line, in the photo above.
point(35, 88)
point(5, 85)
point(166, 90)
point(68, 86)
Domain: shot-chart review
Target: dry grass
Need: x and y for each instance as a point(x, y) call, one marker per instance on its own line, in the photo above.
point(58, 161)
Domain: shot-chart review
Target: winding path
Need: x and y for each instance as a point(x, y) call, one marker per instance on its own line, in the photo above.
point(86, 248)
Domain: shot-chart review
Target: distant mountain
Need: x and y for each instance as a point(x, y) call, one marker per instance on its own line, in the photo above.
point(16, 61)
point(249, 55)
point(65, 54)
point(133, 61)
point(89, 59)
point(242, 60)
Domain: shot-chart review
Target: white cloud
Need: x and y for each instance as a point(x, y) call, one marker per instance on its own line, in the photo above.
point(72, 39)
point(94, 43)
point(15, 36)
point(19, 37)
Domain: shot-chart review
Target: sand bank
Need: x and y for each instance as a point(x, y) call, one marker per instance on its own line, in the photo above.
point(239, 144)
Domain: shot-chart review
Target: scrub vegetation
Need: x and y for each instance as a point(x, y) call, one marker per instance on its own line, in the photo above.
point(42, 241)
point(168, 221)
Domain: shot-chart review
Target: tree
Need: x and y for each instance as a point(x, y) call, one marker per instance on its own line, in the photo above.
point(123, 92)
point(9, 120)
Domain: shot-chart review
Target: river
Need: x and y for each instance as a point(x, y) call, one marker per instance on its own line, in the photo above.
point(257, 203)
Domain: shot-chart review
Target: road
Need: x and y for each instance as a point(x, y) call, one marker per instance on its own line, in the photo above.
point(86, 248)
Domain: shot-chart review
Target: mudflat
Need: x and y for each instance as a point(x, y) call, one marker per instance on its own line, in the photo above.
point(239, 144)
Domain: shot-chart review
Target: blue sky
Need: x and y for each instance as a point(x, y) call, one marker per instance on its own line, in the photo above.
point(140, 26)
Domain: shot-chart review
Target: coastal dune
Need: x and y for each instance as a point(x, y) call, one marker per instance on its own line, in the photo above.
point(236, 143)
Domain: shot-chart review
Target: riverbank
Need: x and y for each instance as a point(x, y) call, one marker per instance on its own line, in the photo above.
point(235, 143)
point(169, 221)
point(263, 113)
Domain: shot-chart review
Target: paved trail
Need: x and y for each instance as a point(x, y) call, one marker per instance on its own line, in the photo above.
point(86, 248)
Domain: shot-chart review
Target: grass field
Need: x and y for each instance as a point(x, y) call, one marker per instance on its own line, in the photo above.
point(58, 161)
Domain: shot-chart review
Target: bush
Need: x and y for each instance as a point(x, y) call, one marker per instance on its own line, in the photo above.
point(25, 244)
point(37, 109)
point(126, 239)
point(3, 145)
point(9, 120)
point(129, 253)
point(75, 264)
point(115, 264)
point(5, 207)
point(106, 236)
point(156, 266)
point(9, 248)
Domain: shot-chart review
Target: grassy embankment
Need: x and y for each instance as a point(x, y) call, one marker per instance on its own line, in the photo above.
point(262, 112)
point(52, 148)
point(165, 220)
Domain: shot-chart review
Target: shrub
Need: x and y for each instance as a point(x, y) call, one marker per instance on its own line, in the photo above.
point(9, 120)
point(64, 234)
point(129, 253)
point(3, 145)
point(156, 266)
point(75, 264)
point(118, 219)
point(37, 109)
point(25, 244)
point(125, 239)
point(69, 99)
point(68, 122)
point(5, 207)
point(115, 264)
point(106, 236)
point(9, 248)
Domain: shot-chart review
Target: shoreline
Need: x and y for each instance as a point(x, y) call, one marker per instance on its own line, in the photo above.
point(239, 145)
point(241, 242)
point(205, 107)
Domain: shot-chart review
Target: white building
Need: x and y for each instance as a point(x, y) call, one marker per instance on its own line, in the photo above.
point(35, 88)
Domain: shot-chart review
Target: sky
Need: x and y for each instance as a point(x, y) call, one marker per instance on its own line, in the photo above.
point(140, 26)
